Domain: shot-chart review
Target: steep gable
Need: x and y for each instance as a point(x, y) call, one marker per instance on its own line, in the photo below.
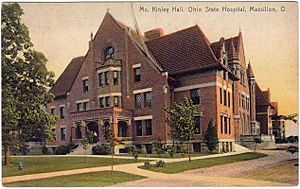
point(183, 51)
point(65, 81)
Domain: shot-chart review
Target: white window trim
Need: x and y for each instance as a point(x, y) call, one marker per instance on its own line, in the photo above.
point(143, 117)
point(136, 65)
point(109, 94)
point(51, 107)
point(62, 105)
point(62, 126)
point(83, 100)
point(142, 90)
point(84, 78)
point(190, 87)
point(109, 69)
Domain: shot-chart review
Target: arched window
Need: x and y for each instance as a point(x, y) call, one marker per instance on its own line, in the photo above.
point(109, 53)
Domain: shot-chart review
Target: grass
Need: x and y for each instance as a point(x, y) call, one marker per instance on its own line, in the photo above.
point(94, 179)
point(167, 156)
point(196, 164)
point(284, 172)
point(42, 164)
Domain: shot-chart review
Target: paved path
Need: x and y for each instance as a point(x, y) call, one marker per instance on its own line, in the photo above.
point(222, 175)
point(189, 178)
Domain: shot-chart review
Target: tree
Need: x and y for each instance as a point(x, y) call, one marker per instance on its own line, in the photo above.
point(159, 147)
point(182, 122)
point(85, 143)
point(211, 137)
point(134, 151)
point(108, 134)
point(25, 83)
point(257, 141)
point(291, 117)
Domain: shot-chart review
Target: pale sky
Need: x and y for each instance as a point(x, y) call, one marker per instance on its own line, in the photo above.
point(62, 31)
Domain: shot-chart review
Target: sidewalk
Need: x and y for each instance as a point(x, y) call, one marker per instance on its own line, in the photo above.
point(128, 168)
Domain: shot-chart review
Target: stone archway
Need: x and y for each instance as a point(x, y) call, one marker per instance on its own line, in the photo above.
point(122, 129)
point(94, 129)
point(78, 133)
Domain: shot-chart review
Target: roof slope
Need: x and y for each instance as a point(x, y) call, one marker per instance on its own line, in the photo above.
point(65, 81)
point(261, 98)
point(182, 51)
point(231, 46)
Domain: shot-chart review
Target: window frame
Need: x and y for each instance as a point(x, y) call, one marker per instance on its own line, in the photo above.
point(138, 128)
point(147, 103)
point(85, 85)
point(137, 77)
point(195, 99)
point(147, 127)
point(62, 112)
point(136, 104)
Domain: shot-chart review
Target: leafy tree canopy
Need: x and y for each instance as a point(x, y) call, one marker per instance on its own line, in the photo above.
point(25, 82)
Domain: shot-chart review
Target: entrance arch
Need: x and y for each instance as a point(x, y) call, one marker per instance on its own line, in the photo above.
point(94, 129)
point(122, 129)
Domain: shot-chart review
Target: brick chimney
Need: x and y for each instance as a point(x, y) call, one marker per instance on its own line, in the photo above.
point(154, 34)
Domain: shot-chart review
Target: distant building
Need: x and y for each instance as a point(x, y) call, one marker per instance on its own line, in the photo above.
point(127, 80)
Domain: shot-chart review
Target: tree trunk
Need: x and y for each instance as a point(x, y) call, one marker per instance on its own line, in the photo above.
point(112, 159)
point(6, 154)
point(188, 149)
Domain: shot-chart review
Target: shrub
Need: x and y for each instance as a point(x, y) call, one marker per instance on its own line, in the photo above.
point(62, 150)
point(134, 151)
point(159, 147)
point(160, 163)
point(45, 150)
point(101, 149)
point(147, 164)
point(171, 150)
point(72, 146)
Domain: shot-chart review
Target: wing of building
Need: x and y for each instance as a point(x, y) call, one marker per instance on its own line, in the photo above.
point(127, 80)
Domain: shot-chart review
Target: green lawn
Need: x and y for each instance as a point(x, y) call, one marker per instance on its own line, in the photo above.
point(95, 179)
point(196, 164)
point(167, 156)
point(42, 164)
point(284, 172)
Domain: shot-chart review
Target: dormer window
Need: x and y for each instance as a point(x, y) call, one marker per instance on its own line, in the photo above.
point(109, 53)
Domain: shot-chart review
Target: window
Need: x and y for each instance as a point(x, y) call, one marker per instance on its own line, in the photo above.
point(85, 105)
point(116, 77)
point(62, 134)
point(116, 101)
point(85, 85)
point(197, 124)
point(101, 80)
point(137, 74)
point(79, 106)
point(107, 101)
point(229, 126)
point(106, 79)
point(225, 98)
point(138, 100)
point(148, 126)
point(109, 53)
point(62, 113)
point(148, 99)
point(101, 102)
point(228, 99)
point(224, 75)
point(242, 76)
point(221, 96)
point(195, 95)
point(221, 124)
point(52, 111)
point(225, 124)
point(138, 128)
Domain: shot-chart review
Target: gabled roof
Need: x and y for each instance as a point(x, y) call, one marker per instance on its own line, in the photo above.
point(231, 47)
point(65, 81)
point(183, 51)
point(261, 98)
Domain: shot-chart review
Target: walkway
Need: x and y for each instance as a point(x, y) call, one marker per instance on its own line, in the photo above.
point(210, 177)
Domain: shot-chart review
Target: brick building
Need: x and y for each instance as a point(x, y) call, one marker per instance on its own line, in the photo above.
point(127, 80)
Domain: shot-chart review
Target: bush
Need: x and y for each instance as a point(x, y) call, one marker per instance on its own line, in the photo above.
point(160, 163)
point(147, 164)
point(171, 150)
point(101, 149)
point(134, 151)
point(62, 150)
point(72, 146)
point(45, 150)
